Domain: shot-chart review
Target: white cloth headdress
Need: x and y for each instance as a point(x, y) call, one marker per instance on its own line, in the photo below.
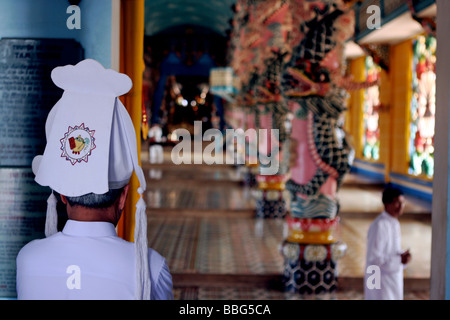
point(92, 147)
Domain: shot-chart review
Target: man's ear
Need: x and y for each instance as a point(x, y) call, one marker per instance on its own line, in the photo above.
point(123, 197)
point(63, 199)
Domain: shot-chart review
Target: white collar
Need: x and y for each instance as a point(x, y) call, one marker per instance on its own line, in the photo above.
point(89, 229)
point(387, 215)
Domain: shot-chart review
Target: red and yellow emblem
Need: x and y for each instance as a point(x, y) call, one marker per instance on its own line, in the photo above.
point(77, 144)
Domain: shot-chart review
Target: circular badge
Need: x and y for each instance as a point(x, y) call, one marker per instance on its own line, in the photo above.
point(77, 144)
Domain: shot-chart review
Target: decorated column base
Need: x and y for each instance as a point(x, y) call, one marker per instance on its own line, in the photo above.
point(270, 204)
point(271, 198)
point(249, 176)
point(311, 268)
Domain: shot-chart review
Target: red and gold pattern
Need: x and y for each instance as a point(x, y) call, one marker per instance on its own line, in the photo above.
point(275, 182)
point(312, 225)
point(312, 231)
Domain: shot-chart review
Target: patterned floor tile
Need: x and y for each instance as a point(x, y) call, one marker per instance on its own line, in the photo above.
point(258, 294)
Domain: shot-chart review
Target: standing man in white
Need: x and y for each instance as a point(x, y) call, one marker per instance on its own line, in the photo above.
point(385, 260)
point(156, 154)
point(89, 158)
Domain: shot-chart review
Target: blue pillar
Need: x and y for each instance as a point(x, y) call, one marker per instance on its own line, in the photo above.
point(157, 98)
point(170, 66)
point(220, 112)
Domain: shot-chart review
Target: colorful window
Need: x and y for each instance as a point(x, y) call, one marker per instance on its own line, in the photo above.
point(423, 107)
point(371, 133)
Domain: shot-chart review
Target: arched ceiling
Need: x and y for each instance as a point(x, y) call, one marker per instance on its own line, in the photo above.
point(164, 14)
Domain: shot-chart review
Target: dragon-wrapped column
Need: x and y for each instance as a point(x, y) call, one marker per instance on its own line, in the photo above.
point(320, 153)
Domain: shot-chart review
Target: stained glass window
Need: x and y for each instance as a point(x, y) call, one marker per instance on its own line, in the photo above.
point(371, 133)
point(423, 107)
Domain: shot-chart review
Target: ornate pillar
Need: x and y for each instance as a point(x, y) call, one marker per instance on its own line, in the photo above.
point(271, 196)
point(313, 85)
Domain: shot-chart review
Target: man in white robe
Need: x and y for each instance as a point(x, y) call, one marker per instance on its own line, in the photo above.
point(90, 156)
point(87, 260)
point(156, 153)
point(385, 260)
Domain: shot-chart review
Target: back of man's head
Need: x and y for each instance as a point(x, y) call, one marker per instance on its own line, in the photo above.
point(390, 193)
point(96, 201)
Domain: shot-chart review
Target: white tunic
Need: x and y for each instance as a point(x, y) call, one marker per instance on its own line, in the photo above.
point(87, 260)
point(383, 251)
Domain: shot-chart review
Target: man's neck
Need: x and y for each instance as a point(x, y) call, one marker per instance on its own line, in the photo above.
point(393, 215)
point(79, 213)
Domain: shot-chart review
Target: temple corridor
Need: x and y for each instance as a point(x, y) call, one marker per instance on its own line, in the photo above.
point(202, 219)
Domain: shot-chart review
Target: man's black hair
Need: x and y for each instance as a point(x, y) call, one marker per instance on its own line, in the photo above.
point(96, 201)
point(390, 193)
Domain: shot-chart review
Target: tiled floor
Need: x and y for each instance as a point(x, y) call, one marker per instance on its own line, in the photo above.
point(201, 218)
point(232, 293)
